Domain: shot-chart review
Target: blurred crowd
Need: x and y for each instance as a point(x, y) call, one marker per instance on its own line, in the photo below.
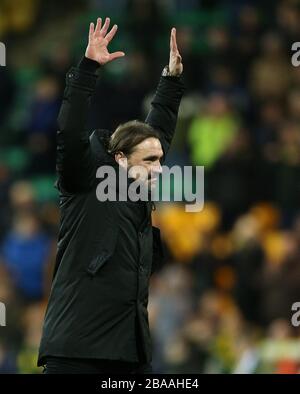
point(222, 303)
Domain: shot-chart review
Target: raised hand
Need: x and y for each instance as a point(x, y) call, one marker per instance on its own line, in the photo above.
point(175, 64)
point(99, 40)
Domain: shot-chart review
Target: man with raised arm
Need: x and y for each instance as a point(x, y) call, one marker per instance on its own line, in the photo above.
point(96, 319)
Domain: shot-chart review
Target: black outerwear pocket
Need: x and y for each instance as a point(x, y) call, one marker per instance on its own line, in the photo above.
point(104, 248)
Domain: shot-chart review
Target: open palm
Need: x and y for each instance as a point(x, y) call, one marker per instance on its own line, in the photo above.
point(99, 40)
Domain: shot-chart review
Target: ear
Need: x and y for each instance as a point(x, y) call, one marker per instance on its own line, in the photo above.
point(121, 159)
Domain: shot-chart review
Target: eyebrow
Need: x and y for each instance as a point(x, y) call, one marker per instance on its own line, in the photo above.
point(153, 157)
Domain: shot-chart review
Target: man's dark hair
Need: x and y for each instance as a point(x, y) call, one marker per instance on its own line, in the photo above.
point(128, 135)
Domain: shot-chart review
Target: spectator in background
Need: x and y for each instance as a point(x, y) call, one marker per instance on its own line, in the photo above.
point(287, 171)
point(248, 261)
point(280, 276)
point(212, 131)
point(170, 305)
point(17, 16)
point(234, 178)
point(41, 128)
point(25, 252)
point(270, 76)
point(12, 334)
point(247, 30)
point(287, 17)
point(32, 320)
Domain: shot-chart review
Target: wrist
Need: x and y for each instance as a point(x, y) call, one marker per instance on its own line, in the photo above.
point(169, 73)
point(88, 64)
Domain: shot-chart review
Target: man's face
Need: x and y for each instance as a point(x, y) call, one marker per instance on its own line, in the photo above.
point(146, 154)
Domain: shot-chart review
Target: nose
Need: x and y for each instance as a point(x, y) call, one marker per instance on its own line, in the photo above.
point(157, 168)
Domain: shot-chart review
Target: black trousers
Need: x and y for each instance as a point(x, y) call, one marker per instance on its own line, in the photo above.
point(64, 365)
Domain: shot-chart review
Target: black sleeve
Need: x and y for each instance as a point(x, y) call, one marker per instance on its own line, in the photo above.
point(75, 162)
point(164, 108)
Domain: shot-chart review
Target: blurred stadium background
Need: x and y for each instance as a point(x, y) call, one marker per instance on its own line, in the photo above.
point(223, 302)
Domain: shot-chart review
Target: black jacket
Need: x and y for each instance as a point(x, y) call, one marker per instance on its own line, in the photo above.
point(108, 250)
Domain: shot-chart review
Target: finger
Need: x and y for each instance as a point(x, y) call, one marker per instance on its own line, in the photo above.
point(105, 27)
point(112, 33)
point(116, 55)
point(98, 26)
point(175, 40)
point(173, 44)
point(91, 30)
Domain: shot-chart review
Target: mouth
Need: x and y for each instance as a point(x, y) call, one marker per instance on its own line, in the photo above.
point(152, 183)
